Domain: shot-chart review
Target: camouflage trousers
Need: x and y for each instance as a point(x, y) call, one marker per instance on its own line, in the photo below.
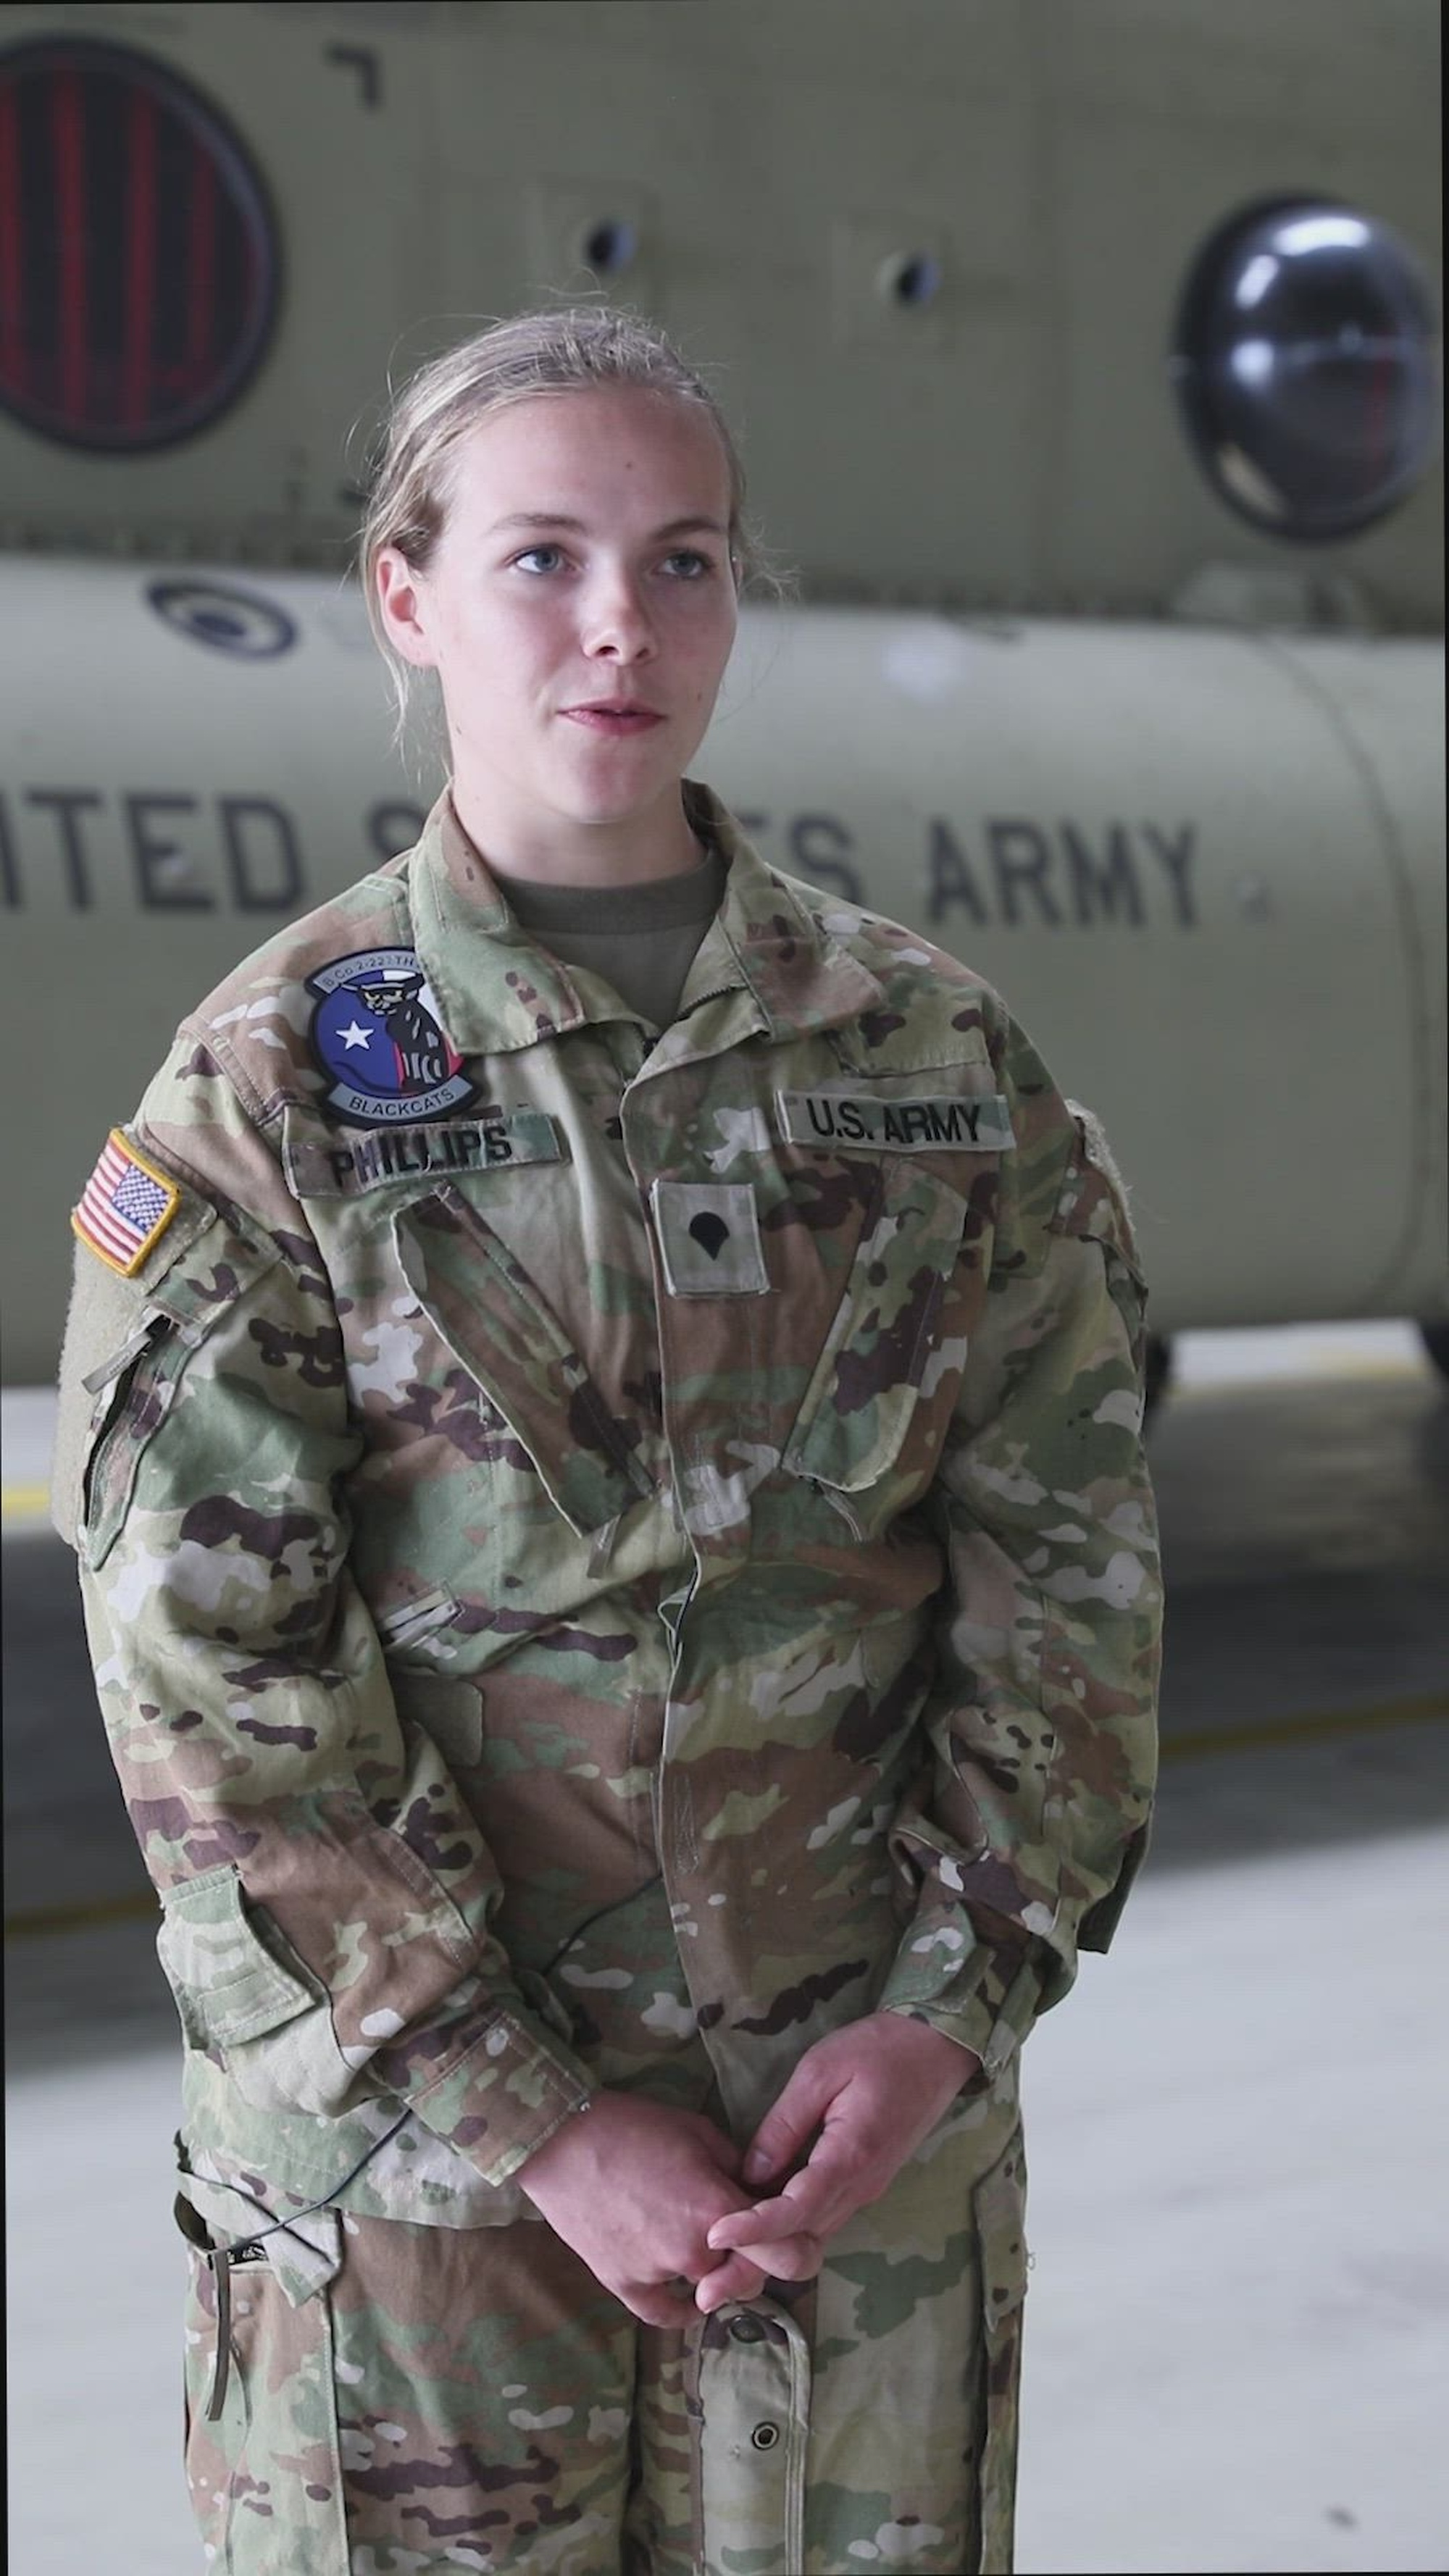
point(379, 2398)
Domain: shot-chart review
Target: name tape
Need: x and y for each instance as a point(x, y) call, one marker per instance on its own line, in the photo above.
point(388, 1154)
point(830, 1119)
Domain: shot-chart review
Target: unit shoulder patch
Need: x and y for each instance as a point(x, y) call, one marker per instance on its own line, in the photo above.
point(376, 1031)
point(125, 1207)
point(960, 1123)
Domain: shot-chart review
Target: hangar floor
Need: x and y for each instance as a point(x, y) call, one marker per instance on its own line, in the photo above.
point(1238, 2326)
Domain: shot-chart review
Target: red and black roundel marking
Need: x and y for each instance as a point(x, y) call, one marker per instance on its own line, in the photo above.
point(138, 255)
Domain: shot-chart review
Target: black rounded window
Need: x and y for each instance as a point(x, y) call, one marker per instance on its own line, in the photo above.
point(1306, 360)
point(610, 247)
point(912, 278)
point(138, 256)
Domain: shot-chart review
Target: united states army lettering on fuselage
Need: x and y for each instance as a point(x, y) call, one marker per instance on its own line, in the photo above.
point(81, 849)
point(835, 1118)
point(1007, 872)
point(161, 850)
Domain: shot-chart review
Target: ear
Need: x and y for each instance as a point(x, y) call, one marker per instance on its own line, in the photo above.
point(403, 605)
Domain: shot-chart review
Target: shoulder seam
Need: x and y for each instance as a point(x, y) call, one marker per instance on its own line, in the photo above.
point(240, 1080)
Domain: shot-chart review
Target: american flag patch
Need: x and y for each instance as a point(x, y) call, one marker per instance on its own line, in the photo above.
point(126, 1207)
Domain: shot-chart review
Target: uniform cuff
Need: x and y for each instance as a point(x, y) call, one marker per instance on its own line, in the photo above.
point(505, 2096)
point(987, 2005)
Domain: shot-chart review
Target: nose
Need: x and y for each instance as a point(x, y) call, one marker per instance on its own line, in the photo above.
point(617, 626)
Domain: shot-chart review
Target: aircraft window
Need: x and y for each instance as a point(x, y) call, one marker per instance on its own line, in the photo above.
point(1306, 361)
point(610, 247)
point(912, 279)
point(138, 257)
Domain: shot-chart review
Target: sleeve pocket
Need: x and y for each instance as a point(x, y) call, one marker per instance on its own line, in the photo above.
point(228, 1985)
point(126, 1346)
point(106, 1332)
point(1128, 1291)
point(133, 1397)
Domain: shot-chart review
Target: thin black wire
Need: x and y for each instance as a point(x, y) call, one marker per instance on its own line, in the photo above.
point(279, 2226)
point(597, 1916)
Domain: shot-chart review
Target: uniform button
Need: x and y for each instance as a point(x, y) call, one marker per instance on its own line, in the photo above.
point(747, 2330)
point(765, 2436)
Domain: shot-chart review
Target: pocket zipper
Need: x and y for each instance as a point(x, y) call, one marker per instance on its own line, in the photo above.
point(117, 1374)
point(832, 1495)
point(407, 1626)
point(109, 1370)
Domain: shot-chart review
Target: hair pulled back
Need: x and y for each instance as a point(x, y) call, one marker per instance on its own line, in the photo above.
point(566, 351)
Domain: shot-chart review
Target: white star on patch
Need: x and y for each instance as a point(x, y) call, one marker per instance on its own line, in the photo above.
point(355, 1035)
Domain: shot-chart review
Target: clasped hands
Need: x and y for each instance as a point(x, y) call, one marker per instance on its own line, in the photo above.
point(651, 2198)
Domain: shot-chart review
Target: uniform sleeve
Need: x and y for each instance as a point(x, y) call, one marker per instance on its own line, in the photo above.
point(327, 1895)
point(1021, 1839)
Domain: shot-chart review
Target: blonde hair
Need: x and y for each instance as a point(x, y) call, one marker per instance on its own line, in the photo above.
point(568, 351)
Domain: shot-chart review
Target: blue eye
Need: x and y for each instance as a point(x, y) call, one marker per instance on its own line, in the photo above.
point(528, 561)
point(688, 564)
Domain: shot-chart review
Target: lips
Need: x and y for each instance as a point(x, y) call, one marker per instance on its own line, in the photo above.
point(617, 717)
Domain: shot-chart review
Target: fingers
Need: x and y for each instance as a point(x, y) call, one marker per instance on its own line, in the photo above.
point(792, 2120)
point(744, 2273)
point(811, 2204)
point(814, 2202)
point(791, 2258)
point(768, 2224)
point(735, 2278)
point(654, 2305)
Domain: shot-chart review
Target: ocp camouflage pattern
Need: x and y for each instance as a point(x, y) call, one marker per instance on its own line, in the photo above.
point(399, 2398)
point(617, 1579)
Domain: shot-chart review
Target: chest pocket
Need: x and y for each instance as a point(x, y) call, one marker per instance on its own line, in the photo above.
point(883, 1339)
point(491, 1316)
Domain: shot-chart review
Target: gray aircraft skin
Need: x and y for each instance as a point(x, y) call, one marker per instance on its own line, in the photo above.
point(1085, 358)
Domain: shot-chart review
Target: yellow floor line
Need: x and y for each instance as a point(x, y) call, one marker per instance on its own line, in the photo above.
point(1275, 1380)
point(77, 1918)
point(24, 1502)
point(1312, 1727)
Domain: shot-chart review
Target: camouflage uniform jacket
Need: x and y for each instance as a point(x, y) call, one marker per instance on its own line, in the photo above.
point(610, 1512)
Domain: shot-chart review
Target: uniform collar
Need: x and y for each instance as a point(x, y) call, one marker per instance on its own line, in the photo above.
point(498, 990)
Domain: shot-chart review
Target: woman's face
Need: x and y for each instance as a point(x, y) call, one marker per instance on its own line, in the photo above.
point(579, 610)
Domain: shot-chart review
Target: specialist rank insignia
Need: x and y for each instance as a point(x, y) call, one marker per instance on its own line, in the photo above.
point(376, 1031)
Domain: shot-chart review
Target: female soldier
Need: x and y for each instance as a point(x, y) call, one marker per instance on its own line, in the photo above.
point(621, 1576)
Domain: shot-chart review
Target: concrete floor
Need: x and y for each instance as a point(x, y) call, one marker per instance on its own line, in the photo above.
point(1238, 2325)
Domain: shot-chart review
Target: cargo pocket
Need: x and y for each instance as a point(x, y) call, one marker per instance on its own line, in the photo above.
point(999, 2203)
point(262, 2443)
point(868, 1379)
point(496, 1324)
